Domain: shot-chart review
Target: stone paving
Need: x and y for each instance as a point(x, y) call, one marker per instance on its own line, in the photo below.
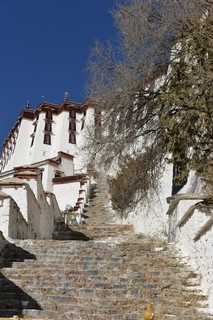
point(112, 276)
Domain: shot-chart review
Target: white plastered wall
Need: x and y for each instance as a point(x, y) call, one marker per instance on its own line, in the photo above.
point(81, 156)
point(12, 223)
point(198, 253)
point(25, 200)
point(66, 193)
point(23, 143)
point(149, 217)
point(47, 176)
point(47, 216)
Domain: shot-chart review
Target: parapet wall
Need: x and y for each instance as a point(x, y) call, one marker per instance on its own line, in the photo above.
point(25, 212)
point(13, 225)
point(186, 223)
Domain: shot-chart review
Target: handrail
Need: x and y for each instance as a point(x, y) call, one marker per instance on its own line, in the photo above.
point(206, 202)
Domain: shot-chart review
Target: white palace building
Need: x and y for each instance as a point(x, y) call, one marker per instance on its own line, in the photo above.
point(42, 168)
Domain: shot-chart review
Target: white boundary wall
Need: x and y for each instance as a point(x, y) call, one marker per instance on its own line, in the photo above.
point(150, 219)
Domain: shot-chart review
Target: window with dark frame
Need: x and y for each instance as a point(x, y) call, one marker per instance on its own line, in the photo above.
point(58, 174)
point(72, 137)
point(48, 126)
point(49, 114)
point(47, 139)
point(72, 125)
point(72, 114)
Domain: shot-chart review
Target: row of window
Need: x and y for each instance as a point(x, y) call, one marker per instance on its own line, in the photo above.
point(47, 138)
point(47, 133)
point(48, 128)
point(49, 114)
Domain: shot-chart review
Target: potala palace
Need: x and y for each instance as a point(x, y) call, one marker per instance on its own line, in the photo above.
point(42, 168)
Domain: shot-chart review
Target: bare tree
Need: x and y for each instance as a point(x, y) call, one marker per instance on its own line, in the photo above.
point(129, 80)
point(186, 100)
point(122, 77)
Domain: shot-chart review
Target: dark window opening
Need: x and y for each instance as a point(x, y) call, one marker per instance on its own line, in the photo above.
point(72, 114)
point(72, 125)
point(32, 141)
point(48, 126)
point(49, 114)
point(58, 174)
point(72, 138)
point(82, 125)
point(47, 139)
point(177, 187)
point(58, 160)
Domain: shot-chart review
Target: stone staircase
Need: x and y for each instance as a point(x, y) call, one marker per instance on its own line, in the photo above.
point(113, 276)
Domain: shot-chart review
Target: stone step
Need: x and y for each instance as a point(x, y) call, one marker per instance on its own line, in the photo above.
point(50, 314)
point(91, 250)
point(95, 279)
point(88, 270)
point(112, 278)
point(68, 315)
point(82, 278)
point(7, 313)
point(15, 303)
point(88, 308)
point(113, 294)
point(96, 253)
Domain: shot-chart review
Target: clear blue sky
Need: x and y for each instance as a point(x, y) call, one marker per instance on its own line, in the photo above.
point(44, 51)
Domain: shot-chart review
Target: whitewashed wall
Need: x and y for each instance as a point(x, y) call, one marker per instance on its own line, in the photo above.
point(149, 217)
point(81, 154)
point(46, 216)
point(66, 193)
point(52, 201)
point(31, 199)
point(61, 133)
point(47, 176)
point(40, 151)
point(67, 166)
point(23, 143)
point(200, 252)
point(23, 196)
point(13, 225)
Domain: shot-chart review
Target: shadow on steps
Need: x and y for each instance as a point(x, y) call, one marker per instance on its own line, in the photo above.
point(12, 253)
point(70, 235)
point(13, 300)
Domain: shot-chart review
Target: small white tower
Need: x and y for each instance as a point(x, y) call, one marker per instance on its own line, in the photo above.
point(27, 106)
point(66, 96)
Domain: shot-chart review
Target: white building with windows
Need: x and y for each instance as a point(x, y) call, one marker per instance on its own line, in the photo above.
point(43, 158)
point(41, 133)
